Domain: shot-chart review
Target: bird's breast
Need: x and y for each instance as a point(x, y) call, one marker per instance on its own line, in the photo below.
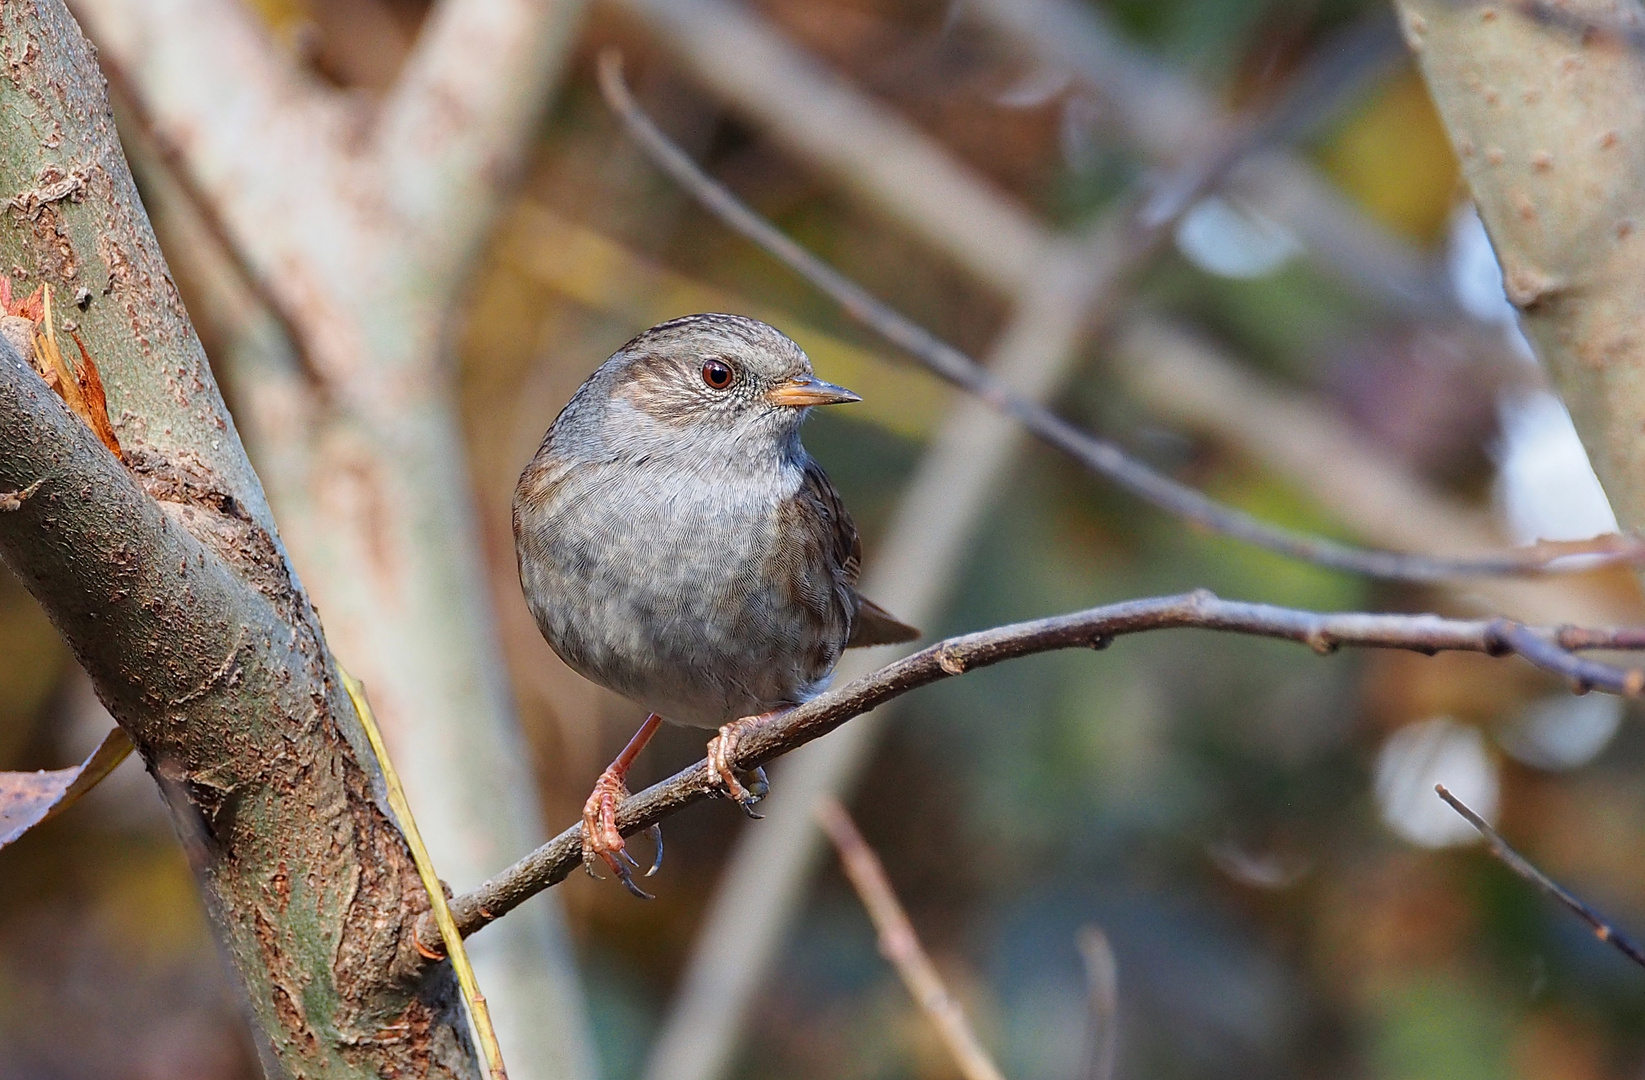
point(675, 588)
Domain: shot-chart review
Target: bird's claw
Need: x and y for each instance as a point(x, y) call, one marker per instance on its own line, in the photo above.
point(654, 833)
point(602, 842)
point(721, 750)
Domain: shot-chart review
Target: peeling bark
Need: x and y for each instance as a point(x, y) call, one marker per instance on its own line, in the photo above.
point(169, 582)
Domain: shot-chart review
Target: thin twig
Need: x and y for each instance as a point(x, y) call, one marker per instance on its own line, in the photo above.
point(478, 1012)
point(1102, 987)
point(1520, 865)
point(1345, 62)
point(1582, 674)
point(1097, 454)
point(1094, 628)
point(901, 945)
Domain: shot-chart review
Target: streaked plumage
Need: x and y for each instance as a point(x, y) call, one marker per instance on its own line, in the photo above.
point(678, 545)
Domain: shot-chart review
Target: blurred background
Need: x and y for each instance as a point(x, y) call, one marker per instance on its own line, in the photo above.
point(1321, 340)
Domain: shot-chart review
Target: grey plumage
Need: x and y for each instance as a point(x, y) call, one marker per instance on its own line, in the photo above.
point(678, 545)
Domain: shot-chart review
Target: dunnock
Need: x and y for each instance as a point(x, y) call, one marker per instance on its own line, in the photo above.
point(679, 546)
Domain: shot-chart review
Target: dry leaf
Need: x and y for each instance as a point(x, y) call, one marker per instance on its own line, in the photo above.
point(28, 798)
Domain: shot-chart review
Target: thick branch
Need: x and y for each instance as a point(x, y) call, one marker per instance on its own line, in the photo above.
point(452, 135)
point(357, 235)
point(261, 146)
point(1550, 128)
point(1095, 628)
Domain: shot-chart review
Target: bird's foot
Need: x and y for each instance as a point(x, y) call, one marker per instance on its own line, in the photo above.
point(722, 748)
point(603, 842)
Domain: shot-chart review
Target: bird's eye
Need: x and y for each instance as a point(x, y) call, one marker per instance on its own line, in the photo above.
point(717, 374)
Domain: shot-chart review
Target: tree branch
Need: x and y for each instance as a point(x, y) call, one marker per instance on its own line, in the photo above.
point(358, 235)
point(900, 944)
point(1191, 383)
point(886, 159)
point(1100, 456)
point(1548, 128)
point(1095, 628)
point(261, 142)
point(450, 137)
point(1519, 864)
point(1166, 116)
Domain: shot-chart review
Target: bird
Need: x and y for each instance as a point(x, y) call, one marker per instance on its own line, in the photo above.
point(676, 544)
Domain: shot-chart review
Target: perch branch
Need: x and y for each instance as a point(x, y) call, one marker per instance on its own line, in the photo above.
point(900, 944)
point(1095, 628)
point(1096, 454)
point(911, 570)
point(1520, 865)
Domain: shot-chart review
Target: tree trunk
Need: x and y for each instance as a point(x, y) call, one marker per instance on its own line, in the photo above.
point(168, 580)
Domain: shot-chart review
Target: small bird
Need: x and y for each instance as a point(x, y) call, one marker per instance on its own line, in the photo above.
point(678, 545)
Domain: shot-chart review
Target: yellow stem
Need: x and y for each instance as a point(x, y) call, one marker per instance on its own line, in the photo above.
point(476, 1002)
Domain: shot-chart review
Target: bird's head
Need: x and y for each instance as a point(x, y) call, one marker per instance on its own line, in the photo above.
point(713, 380)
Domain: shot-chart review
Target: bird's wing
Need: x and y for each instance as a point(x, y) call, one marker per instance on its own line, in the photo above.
point(870, 623)
point(841, 543)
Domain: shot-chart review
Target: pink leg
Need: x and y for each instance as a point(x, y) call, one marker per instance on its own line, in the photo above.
point(600, 836)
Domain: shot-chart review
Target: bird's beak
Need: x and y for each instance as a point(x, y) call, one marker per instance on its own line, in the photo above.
point(809, 390)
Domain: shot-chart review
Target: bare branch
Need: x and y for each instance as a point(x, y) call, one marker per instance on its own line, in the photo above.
point(1190, 382)
point(1095, 628)
point(881, 156)
point(1166, 117)
point(1099, 455)
point(900, 944)
point(1520, 865)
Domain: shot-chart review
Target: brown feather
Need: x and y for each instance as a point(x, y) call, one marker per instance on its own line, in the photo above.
point(870, 623)
point(876, 626)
